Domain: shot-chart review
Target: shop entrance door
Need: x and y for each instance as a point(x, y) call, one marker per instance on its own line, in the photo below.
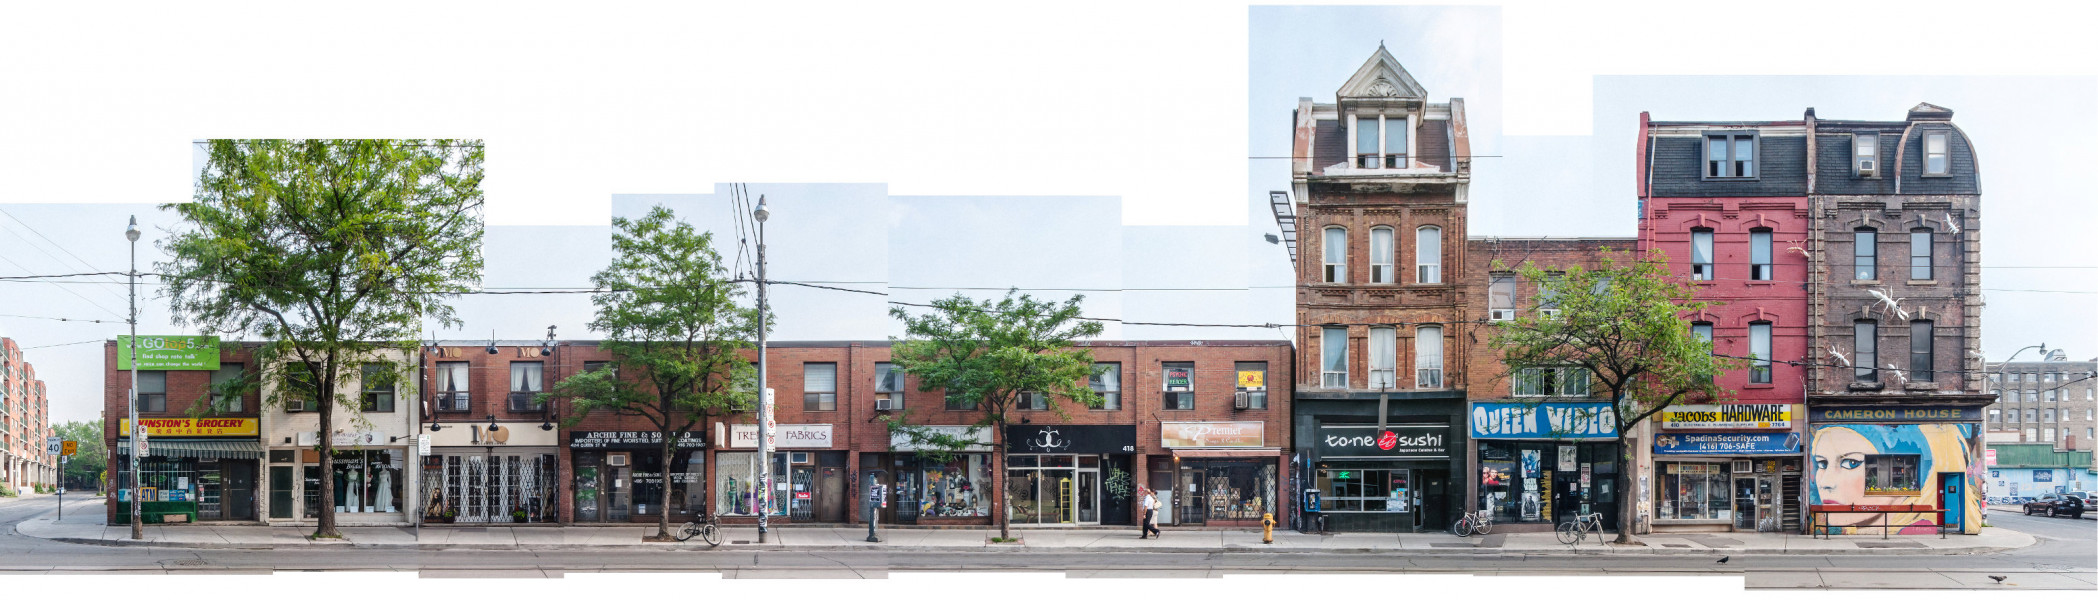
point(1744, 503)
point(280, 492)
point(830, 495)
point(1434, 507)
point(1193, 506)
point(619, 500)
point(1952, 498)
point(238, 500)
point(1089, 497)
point(1767, 506)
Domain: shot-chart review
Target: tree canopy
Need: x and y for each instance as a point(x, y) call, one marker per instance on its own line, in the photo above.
point(330, 252)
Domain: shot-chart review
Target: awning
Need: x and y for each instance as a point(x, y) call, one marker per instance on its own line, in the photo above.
point(196, 448)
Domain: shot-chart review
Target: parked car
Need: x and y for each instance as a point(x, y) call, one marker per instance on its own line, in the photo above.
point(2056, 505)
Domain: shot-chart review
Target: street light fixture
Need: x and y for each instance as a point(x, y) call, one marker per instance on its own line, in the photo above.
point(138, 530)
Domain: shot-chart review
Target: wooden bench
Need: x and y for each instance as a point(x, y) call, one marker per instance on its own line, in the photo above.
point(1820, 525)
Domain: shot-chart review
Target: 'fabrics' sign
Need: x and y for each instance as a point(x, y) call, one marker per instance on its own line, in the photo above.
point(1398, 440)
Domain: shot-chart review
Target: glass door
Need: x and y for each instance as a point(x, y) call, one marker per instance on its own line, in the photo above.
point(1057, 493)
point(1745, 503)
point(1089, 497)
point(280, 492)
point(1194, 506)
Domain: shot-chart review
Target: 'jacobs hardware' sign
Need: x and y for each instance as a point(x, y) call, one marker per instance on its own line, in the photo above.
point(1728, 416)
point(1398, 440)
point(170, 352)
point(1833, 414)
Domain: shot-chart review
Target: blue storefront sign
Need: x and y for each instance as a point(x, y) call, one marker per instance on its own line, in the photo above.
point(1727, 443)
point(1543, 420)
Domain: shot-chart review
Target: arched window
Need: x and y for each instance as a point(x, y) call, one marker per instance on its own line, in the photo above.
point(1381, 257)
point(1427, 255)
point(1336, 249)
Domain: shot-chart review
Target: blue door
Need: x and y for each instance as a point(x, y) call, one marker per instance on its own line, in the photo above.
point(1952, 496)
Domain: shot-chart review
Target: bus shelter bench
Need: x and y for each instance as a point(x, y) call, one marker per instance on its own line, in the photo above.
point(1821, 526)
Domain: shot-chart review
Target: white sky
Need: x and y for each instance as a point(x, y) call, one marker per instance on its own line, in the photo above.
point(995, 139)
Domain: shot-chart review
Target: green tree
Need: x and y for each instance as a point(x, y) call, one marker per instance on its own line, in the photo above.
point(671, 319)
point(1621, 323)
point(90, 457)
point(330, 251)
point(987, 353)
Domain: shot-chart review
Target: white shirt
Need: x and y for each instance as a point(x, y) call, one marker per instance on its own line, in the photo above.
point(1150, 502)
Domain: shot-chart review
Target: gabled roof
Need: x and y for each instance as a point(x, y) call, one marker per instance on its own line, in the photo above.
point(1380, 78)
point(1925, 111)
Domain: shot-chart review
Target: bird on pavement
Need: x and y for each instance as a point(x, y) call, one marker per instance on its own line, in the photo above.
point(1998, 578)
point(1723, 559)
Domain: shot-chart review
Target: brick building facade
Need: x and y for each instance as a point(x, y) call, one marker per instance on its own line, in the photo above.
point(2046, 401)
point(1380, 178)
point(209, 448)
point(25, 422)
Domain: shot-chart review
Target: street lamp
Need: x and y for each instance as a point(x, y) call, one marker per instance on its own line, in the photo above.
point(764, 393)
point(138, 530)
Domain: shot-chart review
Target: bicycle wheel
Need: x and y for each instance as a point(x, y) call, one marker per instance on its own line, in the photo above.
point(711, 534)
point(1482, 526)
point(1463, 526)
point(1569, 533)
point(686, 532)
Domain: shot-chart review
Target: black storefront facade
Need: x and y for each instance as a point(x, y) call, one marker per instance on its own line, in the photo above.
point(1355, 475)
point(1070, 474)
point(618, 476)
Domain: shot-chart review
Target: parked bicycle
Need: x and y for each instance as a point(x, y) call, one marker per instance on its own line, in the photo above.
point(707, 527)
point(1479, 522)
point(1572, 532)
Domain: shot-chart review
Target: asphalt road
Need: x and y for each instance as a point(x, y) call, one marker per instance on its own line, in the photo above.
point(2065, 558)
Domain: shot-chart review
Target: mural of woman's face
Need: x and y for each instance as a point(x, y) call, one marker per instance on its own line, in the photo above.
point(1839, 469)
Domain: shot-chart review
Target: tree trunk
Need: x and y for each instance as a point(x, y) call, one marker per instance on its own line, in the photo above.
point(998, 509)
point(325, 403)
point(1627, 497)
point(663, 516)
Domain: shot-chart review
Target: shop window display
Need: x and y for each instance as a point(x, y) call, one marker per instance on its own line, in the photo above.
point(738, 476)
point(1694, 491)
point(1892, 473)
point(685, 482)
point(1053, 488)
point(1365, 490)
point(493, 488)
point(1544, 482)
point(956, 488)
point(1226, 490)
point(367, 481)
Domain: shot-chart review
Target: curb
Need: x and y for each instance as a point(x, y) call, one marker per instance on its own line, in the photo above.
point(1022, 549)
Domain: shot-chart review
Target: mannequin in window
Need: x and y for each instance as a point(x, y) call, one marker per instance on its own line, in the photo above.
point(385, 492)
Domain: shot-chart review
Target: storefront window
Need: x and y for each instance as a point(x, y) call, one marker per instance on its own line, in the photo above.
point(1226, 490)
point(482, 488)
point(1892, 473)
point(1545, 482)
point(957, 488)
point(1053, 488)
point(367, 481)
point(738, 483)
point(1694, 491)
point(1365, 490)
point(686, 478)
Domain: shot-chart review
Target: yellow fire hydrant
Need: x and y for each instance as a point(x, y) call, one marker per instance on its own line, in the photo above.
point(1267, 528)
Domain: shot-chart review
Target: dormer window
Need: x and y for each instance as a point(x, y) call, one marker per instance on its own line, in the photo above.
point(1380, 141)
point(1864, 152)
point(1935, 160)
point(1730, 155)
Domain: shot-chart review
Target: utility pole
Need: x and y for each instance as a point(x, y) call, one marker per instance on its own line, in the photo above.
point(138, 530)
point(764, 393)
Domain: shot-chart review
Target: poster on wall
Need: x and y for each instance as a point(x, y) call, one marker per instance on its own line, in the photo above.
point(1873, 464)
point(1531, 463)
point(1530, 506)
point(1567, 458)
point(2043, 475)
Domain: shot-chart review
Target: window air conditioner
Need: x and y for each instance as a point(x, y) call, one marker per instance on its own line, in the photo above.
point(799, 458)
point(309, 438)
point(885, 404)
point(1868, 167)
point(1548, 313)
point(1501, 314)
point(1241, 400)
point(616, 460)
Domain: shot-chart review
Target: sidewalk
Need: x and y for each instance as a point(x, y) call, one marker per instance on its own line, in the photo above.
point(89, 529)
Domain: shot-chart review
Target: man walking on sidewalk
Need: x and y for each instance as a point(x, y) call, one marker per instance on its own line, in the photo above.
point(1150, 504)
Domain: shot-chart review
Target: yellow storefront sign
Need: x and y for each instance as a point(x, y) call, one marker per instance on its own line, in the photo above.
point(205, 427)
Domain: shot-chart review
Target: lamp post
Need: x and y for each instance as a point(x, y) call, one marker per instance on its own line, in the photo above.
point(138, 530)
point(764, 393)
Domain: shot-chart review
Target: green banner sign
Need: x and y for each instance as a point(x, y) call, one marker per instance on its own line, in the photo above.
point(170, 352)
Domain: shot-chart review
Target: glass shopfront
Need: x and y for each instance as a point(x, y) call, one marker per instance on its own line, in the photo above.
point(1548, 482)
point(1066, 474)
point(483, 486)
point(619, 476)
point(219, 489)
point(736, 476)
point(1226, 491)
point(366, 481)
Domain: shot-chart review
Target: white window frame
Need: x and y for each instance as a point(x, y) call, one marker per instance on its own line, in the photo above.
point(1943, 139)
point(1761, 362)
point(1389, 155)
point(1384, 358)
point(1427, 261)
point(814, 397)
point(1865, 340)
point(1864, 243)
point(1531, 382)
point(1761, 254)
point(1336, 270)
point(1864, 145)
point(1106, 381)
point(1702, 246)
point(1333, 351)
point(1501, 292)
point(1427, 357)
point(890, 387)
point(1383, 255)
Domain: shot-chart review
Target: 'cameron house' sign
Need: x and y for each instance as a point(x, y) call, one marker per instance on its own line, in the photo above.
point(1398, 440)
point(1854, 414)
point(1544, 420)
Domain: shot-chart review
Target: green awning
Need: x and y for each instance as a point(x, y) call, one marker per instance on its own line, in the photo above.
point(196, 448)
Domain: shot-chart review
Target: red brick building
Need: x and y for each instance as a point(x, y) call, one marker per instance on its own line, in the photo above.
point(213, 455)
point(1177, 423)
point(1727, 202)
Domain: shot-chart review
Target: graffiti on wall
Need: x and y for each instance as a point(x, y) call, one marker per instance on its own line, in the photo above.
point(1854, 464)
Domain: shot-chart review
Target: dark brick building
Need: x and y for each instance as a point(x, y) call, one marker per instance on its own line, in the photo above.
point(1379, 178)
